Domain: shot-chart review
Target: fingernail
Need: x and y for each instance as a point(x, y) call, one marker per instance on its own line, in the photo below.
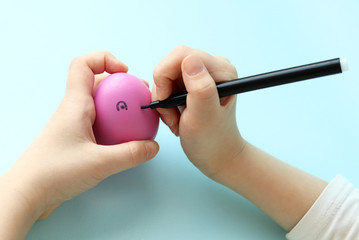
point(150, 150)
point(193, 66)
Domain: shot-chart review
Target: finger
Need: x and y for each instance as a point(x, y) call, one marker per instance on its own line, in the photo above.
point(83, 69)
point(169, 69)
point(145, 82)
point(169, 116)
point(202, 99)
point(117, 158)
point(99, 78)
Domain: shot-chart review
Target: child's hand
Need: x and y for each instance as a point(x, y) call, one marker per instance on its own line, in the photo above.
point(65, 160)
point(207, 125)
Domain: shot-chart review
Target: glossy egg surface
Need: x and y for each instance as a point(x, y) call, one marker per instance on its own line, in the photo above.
point(119, 117)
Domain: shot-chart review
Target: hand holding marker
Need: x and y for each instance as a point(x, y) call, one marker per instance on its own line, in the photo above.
point(270, 79)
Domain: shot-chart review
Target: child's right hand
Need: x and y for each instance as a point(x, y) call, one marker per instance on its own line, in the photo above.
point(207, 125)
point(211, 140)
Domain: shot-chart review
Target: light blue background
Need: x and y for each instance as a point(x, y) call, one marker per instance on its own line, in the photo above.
point(312, 125)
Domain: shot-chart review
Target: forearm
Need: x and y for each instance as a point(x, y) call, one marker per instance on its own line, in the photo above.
point(17, 215)
point(281, 191)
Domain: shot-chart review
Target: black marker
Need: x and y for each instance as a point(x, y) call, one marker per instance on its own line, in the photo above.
point(270, 79)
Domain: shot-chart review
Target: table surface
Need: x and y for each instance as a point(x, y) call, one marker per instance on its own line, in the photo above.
point(312, 125)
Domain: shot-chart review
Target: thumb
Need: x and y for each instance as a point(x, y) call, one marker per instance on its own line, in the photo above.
point(117, 158)
point(202, 98)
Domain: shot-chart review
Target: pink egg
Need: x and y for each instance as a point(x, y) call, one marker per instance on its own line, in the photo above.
point(119, 117)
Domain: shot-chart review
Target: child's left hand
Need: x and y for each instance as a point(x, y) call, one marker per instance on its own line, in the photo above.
point(65, 160)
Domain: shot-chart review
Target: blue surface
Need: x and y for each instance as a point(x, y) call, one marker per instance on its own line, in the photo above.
point(312, 125)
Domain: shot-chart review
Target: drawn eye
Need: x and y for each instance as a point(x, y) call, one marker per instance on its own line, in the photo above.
point(121, 105)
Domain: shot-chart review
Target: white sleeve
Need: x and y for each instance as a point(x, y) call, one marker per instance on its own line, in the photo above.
point(334, 215)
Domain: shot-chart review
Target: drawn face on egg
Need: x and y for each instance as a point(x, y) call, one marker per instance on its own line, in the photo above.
point(121, 105)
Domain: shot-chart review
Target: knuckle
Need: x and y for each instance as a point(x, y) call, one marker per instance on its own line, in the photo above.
point(225, 73)
point(161, 78)
point(181, 48)
point(157, 73)
point(76, 61)
point(104, 53)
point(98, 53)
point(224, 70)
point(232, 71)
point(223, 58)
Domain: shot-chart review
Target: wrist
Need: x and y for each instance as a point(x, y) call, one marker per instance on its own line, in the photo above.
point(235, 171)
point(228, 159)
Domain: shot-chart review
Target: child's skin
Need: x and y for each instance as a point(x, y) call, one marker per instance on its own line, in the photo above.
point(211, 140)
point(65, 161)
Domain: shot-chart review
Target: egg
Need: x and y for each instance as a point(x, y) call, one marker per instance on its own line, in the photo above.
point(119, 117)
